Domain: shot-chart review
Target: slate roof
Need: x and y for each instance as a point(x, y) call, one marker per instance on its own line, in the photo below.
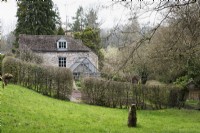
point(47, 43)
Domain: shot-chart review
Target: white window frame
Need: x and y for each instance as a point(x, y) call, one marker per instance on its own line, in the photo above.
point(62, 61)
point(62, 44)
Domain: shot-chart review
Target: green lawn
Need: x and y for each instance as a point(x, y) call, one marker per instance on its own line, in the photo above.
point(25, 111)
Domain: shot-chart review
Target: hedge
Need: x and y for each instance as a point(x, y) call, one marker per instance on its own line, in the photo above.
point(1, 59)
point(104, 93)
point(51, 81)
point(121, 94)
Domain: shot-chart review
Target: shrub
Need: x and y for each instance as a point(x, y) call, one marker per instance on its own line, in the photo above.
point(182, 81)
point(51, 81)
point(139, 95)
point(122, 94)
point(157, 96)
point(173, 98)
point(78, 83)
point(1, 59)
point(29, 56)
point(6, 78)
point(11, 65)
point(104, 93)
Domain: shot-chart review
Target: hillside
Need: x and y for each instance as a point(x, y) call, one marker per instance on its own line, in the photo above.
point(23, 110)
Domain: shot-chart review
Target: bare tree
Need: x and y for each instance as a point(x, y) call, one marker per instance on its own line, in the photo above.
point(167, 9)
point(176, 46)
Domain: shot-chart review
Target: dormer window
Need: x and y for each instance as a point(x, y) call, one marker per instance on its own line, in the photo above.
point(62, 44)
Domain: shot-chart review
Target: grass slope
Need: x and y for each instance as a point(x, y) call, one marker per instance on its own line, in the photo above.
point(25, 111)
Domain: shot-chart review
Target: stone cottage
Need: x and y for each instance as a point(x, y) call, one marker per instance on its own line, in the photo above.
point(62, 51)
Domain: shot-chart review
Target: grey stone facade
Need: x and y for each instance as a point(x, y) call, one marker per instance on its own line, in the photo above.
point(51, 58)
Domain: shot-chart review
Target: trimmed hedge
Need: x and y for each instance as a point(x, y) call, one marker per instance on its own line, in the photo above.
point(104, 93)
point(121, 94)
point(51, 81)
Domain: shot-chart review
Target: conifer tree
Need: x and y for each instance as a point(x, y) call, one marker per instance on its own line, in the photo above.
point(79, 20)
point(36, 17)
point(91, 19)
point(60, 31)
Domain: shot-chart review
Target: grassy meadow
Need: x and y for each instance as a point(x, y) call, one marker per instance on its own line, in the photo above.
point(25, 111)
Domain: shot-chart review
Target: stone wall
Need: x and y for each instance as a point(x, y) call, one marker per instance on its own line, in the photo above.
point(51, 58)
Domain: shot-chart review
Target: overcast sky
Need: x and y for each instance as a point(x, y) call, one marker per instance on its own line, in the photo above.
point(108, 17)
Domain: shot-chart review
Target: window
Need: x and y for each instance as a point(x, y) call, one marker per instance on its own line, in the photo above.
point(62, 61)
point(62, 45)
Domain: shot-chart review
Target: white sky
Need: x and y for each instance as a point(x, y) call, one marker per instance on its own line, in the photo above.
point(108, 17)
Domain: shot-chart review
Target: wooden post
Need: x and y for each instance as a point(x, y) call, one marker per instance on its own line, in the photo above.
point(132, 119)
